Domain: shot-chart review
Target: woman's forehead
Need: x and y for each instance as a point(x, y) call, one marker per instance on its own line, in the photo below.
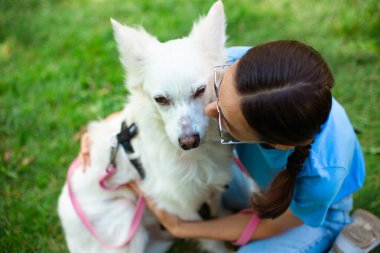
point(228, 95)
point(229, 102)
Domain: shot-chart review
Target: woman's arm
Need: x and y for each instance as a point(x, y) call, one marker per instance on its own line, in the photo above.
point(228, 228)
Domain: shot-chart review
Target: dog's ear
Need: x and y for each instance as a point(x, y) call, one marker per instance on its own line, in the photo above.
point(134, 46)
point(210, 31)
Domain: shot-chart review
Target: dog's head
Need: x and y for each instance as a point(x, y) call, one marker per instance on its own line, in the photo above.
point(177, 75)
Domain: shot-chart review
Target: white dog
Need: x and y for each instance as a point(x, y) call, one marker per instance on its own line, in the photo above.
point(178, 146)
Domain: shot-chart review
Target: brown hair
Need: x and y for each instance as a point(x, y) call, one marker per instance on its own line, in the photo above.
point(286, 98)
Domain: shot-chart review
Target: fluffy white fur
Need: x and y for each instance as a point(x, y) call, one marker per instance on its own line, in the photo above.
point(179, 180)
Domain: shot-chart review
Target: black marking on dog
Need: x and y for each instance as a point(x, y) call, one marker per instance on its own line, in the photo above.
point(205, 212)
point(125, 136)
point(127, 133)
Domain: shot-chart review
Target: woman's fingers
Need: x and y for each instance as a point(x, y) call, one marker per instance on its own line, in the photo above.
point(169, 221)
point(85, 145)
point(84, 153)
point(151, 205)
point(149, 202)
point(133, 186)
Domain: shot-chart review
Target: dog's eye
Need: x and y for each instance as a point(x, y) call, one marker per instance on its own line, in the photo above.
point(199, 91)
point(161, 100)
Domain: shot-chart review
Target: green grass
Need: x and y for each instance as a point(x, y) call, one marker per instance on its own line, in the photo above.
point(59, 69)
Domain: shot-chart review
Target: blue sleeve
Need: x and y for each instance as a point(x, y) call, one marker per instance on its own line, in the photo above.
point(315, 192)
point(235, 53)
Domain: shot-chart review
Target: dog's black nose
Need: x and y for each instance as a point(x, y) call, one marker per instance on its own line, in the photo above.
point(189, 141)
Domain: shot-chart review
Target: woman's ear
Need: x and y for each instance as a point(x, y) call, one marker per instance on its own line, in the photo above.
point(211, 111)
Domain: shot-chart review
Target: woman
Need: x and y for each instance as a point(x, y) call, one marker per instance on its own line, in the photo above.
point(296, 142)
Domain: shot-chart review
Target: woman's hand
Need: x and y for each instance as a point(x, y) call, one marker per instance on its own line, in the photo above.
point(85, 144)
point(170, 221)
point(84, 152)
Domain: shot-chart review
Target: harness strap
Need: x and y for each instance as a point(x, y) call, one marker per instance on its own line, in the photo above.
point(125, 136)
point(237, 161)
point(127, 133)
point(136, 219)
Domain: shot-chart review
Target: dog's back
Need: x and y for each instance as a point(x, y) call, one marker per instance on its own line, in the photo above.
point(110, 212)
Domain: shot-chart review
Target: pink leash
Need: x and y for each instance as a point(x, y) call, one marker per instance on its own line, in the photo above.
point(139, 211)
point(102, 182)
point(255, 219)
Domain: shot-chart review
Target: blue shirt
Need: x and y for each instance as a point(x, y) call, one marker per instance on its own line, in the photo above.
point(334, 169)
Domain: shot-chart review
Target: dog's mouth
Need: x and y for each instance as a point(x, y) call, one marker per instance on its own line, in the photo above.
point(188, 142)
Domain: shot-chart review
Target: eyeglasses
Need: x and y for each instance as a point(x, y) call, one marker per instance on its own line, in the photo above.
point(225, 136)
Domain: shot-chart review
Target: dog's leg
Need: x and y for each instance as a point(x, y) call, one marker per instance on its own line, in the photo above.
point(215, 203)
point(160, 240)
point(213, 246)
point(139, 242)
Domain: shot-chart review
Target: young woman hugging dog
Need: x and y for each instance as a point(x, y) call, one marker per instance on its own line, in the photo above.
point(274, 102)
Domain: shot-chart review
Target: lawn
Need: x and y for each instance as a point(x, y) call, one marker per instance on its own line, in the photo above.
point(59, 69)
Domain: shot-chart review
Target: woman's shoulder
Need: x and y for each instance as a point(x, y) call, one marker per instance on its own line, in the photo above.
point(334, 146)
point(235, 53)
point(338, 121)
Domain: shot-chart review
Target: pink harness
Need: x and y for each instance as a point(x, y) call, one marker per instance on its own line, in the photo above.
point(139, 211)
point(254, 220)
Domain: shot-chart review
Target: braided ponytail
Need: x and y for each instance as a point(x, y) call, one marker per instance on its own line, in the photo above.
point(276, 200)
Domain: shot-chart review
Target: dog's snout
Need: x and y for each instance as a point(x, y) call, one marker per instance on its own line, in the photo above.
point(185, 122)
point(189, 141)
